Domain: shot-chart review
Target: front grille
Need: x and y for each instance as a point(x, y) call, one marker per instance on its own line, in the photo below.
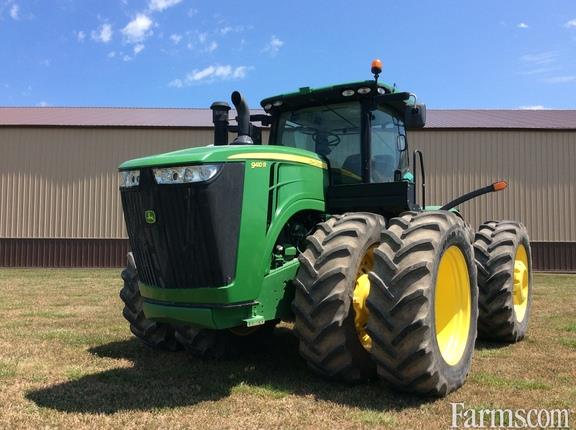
point(194, 241)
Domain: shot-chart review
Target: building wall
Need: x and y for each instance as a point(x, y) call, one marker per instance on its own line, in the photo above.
point(63, 182)
point(539, 168)
point(538, 165)
point(59, 201)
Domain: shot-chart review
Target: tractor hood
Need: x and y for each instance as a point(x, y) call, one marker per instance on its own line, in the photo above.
point(220, 154)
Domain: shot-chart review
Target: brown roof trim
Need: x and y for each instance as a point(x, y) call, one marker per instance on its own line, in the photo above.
point(498, 119)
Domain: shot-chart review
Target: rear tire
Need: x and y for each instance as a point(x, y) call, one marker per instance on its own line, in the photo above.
point(153, 334)
point(504, 307)
point(423, 303)
point(325, 284)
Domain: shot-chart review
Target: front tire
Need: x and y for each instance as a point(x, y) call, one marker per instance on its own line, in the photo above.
point(153, 334)
point(332, 269)
point(209, 344)
point(423, 303)
point(504, 261)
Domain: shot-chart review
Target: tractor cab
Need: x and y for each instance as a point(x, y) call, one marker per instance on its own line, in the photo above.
point(334, 131)
point(359, 130)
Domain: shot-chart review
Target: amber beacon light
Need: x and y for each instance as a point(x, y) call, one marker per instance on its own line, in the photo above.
point(376, 66)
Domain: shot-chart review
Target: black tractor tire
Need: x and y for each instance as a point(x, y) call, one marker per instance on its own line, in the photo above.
point(495, 246)
point(325, 282)
point(402, 302)
point(153, 334)
point(208, 344)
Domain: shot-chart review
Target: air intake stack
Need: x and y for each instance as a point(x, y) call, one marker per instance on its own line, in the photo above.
point(220, 119)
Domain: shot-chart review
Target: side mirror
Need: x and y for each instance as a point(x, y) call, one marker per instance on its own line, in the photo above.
point(415, 116)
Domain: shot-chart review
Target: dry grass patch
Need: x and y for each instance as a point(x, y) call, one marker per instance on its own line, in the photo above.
point(67, 360)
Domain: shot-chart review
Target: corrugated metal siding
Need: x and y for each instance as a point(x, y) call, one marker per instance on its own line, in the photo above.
point(63, 252)
point(63, 182)
point(546, 256)
point(538, 165)
point(554, 256)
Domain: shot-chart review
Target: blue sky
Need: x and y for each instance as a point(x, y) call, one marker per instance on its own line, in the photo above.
point(188, 53)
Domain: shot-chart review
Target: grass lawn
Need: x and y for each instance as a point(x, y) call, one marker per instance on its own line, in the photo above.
point(67, 360)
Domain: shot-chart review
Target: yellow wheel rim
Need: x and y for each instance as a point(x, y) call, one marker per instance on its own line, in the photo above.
point(452, 305)
point(521, 283)
point(361, 291)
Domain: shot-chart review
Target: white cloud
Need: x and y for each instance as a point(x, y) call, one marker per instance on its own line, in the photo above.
point(538, 71)
point(111, 54)
point(571, 23)
point(203, 44)
point(192, 12)
point(176, 38)
point(522, 25)
point(80, 36)
point(230, 29)
point(103, 34)
point(210, 74)
point(42, 104)
point(547, 57)
point(273, 46)
point(15, 12)
point(160, 5)
point(138, 48)
point(212, 46)
point(561, 79)
point(138, 29)
point(532, 107)
point(225, 30)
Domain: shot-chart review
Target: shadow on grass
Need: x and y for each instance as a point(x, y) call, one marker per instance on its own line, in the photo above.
point(490, 345)
point(160, 380)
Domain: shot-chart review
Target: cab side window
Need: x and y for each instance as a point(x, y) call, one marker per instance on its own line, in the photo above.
point(387, 135)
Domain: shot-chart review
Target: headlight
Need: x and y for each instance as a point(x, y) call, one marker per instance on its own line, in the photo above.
point(185, 174)
point(129, 178)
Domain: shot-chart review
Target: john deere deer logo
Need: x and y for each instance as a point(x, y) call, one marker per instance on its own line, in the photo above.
point(150, 217)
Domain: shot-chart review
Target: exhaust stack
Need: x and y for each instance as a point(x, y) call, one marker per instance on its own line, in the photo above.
point(243, 119)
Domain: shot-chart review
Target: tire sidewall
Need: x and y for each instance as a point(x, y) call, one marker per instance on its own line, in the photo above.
point(456, 236)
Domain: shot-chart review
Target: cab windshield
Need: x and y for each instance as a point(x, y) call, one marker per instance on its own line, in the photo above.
point(334, 132)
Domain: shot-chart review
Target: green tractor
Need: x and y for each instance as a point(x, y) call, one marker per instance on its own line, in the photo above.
point(320, 227)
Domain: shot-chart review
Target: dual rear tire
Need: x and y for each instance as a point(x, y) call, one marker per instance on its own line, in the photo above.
point(334, 265)
point(403, 301)
point(423, 303)
point(504, 260)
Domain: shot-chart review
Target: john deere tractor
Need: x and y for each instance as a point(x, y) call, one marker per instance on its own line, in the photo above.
point(321, 227)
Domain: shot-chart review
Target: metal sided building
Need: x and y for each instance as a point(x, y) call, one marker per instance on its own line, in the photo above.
point(60, 206)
